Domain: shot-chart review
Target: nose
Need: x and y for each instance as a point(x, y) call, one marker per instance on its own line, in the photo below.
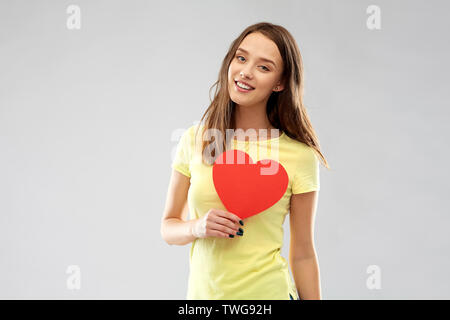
point(245, 73)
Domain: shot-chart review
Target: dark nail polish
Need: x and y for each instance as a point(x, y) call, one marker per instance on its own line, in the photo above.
point(241, 222)
point(240, 230)
point(239, 233)
point(231, 236)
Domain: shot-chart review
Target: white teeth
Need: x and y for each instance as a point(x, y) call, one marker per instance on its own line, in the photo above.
point(243, 86)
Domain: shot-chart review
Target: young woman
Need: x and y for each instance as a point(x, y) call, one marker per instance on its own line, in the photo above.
point(260, 87)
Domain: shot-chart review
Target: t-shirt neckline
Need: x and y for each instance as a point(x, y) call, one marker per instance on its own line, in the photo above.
point(265, 140)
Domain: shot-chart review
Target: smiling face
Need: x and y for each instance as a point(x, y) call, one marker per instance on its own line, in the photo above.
point(260, 62)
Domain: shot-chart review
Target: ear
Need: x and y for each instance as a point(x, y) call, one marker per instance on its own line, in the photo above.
point(279, 87)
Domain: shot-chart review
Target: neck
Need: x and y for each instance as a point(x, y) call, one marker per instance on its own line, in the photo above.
point(252, 117)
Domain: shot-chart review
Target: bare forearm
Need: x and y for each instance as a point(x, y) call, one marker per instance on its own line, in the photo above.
point(307, 277)
point(176, 231)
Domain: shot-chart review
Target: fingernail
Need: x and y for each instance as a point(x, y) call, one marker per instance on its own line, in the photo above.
point(239, 233)
point(241, 222)
point(231, 236)
point(240, 230)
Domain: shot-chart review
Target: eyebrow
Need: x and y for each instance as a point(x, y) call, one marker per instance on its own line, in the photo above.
point(263, 59)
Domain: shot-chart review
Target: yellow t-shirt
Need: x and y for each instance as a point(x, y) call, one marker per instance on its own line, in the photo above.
point(248, 266)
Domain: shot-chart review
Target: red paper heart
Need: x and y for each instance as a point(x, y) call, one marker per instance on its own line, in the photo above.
point(248, 188)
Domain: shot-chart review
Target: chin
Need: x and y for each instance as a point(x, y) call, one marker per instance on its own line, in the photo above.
point(237, 100)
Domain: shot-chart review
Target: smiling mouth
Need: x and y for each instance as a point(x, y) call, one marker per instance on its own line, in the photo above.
point(236, 83)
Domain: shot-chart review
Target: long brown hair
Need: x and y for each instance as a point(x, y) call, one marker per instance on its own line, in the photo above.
point(285, 109)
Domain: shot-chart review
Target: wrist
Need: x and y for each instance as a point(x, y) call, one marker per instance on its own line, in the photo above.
point(192, 229)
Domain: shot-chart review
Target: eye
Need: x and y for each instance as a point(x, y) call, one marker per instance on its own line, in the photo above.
point(265, 68)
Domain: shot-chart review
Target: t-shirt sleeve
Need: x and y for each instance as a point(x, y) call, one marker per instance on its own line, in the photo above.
point(306, 175)
point(181, 161)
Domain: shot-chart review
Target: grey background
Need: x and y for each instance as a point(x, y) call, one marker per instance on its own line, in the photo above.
point(89, 120)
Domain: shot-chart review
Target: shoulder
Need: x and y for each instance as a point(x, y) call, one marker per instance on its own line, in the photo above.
point(194, 134)
point(188, 134)
point(191, 137)
point(301, 150)
point(193, 129)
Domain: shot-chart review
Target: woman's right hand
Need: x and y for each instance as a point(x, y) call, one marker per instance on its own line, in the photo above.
point(217, 223)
